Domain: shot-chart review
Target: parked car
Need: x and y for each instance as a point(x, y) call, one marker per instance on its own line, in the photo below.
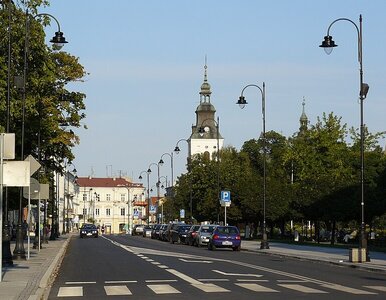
point(191, 235)
point(155, 231)
point(225, 237)
point(178, 234)
point(146, 232)
point(138, 229)
point(203, 234)
point(161, 235)
point(167, 233)
point(88, 230)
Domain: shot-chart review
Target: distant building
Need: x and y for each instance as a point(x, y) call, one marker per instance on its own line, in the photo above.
point(115, 203)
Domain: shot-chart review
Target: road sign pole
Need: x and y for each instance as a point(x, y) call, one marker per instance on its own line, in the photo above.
point(225, 217)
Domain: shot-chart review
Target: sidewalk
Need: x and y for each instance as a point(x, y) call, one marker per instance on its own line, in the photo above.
point(336, 256)
point(28, 279)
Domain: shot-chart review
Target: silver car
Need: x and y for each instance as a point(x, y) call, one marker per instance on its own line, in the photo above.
point(203, 235)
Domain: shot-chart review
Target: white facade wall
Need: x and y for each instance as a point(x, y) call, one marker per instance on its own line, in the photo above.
point(111, 207)
point(199, 146)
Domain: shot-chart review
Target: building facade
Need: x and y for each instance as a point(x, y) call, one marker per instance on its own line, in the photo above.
point(114, 203)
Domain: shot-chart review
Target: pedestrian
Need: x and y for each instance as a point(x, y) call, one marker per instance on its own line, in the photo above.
point(103, 229)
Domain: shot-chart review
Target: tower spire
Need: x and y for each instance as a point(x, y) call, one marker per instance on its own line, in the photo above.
point(303, 118)
point(205, 86)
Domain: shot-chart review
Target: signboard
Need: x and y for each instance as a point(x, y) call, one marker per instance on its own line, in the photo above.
point(182, 213)
point(226, 196)
point(16, 173)
point(9, 145)
point(153, 209)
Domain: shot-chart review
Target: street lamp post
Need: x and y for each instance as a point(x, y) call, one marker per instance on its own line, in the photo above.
point(90, 203)
point(148, 192)
point(328, 44)
point(58, 40)
point(177, 150)
point(161, 162)
point(202, 132)
point(242, 102)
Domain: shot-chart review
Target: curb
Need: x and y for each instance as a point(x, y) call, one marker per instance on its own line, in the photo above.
point(42, 290)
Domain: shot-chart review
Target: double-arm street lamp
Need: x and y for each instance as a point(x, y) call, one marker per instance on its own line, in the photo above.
point(161, 162)
point(58, 41)
point(242, 102)
point(147, 191)
point(202, 131)
point(328, 44)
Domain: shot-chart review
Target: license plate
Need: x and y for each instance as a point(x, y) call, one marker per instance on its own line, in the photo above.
point(89, 233)
point(227, 243)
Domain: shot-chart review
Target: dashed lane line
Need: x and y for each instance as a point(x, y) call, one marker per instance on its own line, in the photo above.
point(256, 287)
point(303, 289)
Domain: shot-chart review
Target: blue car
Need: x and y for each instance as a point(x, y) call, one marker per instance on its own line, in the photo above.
point(225, 237)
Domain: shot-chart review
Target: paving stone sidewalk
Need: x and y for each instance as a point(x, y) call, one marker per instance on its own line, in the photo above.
point(29, 279)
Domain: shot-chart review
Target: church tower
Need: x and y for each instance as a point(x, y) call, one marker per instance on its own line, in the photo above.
point(205, 137)
point(303, 120)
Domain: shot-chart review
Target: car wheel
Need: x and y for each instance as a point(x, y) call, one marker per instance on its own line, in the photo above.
point(236, 248)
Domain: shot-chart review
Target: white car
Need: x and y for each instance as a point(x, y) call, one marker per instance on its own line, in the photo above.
point(138, 229)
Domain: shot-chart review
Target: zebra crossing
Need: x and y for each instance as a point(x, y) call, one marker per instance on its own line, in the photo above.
point(164, 287)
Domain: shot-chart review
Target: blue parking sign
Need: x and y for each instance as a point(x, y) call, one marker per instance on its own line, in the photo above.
point(226, 196)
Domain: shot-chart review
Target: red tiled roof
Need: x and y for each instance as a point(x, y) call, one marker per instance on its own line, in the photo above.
point(105, 182)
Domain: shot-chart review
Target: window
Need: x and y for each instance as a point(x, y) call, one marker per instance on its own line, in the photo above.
point(84, 197)
point(123, 197)
point(107, 211)
point(97, 211)
point(84, 211)
point(122, 211)
point(108, 197)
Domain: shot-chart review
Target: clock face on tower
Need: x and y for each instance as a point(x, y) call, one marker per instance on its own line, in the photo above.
point(207, 129)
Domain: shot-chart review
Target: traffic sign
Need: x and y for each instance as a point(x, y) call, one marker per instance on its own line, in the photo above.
point(153, 209)
point(226, 196)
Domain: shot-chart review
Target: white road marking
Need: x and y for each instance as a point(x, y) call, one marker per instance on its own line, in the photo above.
point(117, 290)
point(149, 260)
point(210, 288)
point(121, 281)
point(161, 280)
point(163, 289)
point(196, 261)
point(302, 288)
point(163, 267)
point(256, 287)
point(293, 276)
point(183, 276)
point(290, 281)
point(74, 291)
point(346, 289)
point(252, 280)
point(80, 282)
point(155, 263)
point(213, 279)
point(237, 274)
point(376, 287)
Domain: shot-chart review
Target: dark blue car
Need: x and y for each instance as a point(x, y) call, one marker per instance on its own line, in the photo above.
point(225, 237)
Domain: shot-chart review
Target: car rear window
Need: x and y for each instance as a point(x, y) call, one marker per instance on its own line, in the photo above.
point(207, 228)
point(228, 230)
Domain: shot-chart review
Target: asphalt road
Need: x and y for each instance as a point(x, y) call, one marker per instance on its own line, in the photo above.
point(133, 267)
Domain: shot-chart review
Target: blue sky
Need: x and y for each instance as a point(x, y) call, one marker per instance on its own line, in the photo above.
point(146, 59)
